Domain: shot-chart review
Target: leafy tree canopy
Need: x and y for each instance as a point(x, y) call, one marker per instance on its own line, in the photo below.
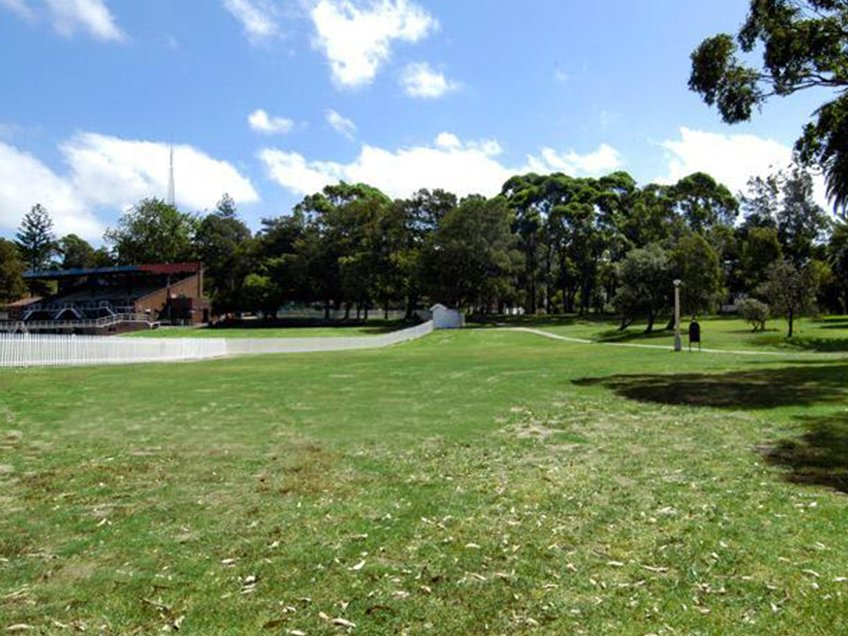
point(11, 271)
point(790, 290)
point(77, 253)
point(153, 232)
point(804, 44)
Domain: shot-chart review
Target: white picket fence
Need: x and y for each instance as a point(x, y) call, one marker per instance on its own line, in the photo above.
point(25, 350)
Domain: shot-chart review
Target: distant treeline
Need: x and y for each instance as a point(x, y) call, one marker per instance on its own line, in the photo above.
point(549, 243)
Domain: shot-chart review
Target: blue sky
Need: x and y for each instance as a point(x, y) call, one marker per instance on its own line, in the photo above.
point(271, 99)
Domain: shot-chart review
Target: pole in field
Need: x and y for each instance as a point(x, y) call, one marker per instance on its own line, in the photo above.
point(678, 342)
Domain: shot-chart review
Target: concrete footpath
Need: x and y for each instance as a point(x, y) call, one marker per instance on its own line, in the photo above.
point(782, 354)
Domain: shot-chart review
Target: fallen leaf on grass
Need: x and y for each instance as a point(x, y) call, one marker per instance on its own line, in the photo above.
point(20, 627)
point(160, 606)
point(175, 625)
point(341, 622)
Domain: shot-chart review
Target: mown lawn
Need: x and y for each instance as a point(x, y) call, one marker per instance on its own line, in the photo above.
point(295, 330)
point(816, 335)
point(475, 482)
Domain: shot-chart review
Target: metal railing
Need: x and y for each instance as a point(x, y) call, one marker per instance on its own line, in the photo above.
point(94, 323)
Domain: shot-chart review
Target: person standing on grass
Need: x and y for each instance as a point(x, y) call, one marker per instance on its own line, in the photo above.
point(694, 333)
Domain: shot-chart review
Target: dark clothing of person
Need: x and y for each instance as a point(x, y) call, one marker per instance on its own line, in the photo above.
point(694, 332)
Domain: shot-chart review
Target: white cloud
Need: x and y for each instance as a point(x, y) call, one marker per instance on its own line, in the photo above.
point(604, 160)
point(118, 172)
point(25, 181)
point(110, 173)
point(90, 15)
point(261, 122)
point(257, 17)
point(461, 167)
point(20, 7)
point(340, 124)
point(357, 37)
point(730, 159)
point(70, 16)
point(419, 79)
point(293, 172)
point(448, 141)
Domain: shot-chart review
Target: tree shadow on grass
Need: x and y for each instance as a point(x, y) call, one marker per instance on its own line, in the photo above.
point(629, 335)
point(797, 385)
point(820, 345)
point(818, 457)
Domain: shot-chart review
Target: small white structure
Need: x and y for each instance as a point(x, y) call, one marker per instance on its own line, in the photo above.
point(444, 318)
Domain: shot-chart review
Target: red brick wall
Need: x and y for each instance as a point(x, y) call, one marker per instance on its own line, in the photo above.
point(155, 302)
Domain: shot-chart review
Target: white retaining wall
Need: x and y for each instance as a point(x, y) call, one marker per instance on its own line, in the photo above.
point(62, 351)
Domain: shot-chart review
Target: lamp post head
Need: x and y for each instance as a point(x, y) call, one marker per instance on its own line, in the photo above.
point(677, 282)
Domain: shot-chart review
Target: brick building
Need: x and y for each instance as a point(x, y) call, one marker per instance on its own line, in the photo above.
point(112, 299)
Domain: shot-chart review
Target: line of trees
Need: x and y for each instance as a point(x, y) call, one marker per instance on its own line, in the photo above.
point(546, 243)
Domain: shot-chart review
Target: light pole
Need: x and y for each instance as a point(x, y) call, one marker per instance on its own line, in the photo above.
point(678, 342)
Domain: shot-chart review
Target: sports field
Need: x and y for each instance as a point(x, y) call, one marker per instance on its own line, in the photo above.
point(475, 482)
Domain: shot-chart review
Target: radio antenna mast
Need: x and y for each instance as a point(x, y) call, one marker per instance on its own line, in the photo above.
point(171, 197)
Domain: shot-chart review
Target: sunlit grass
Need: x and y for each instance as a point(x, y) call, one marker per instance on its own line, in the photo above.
point(821, 335)
point(470, 482)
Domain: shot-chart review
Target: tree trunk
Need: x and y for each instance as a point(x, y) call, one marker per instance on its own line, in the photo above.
point(326, 310)
point(533, 294)
point(564, 298)
point(651, 318)
point(791, 321)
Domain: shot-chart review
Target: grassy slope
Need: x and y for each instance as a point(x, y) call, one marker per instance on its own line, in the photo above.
point(825, 335)
point(470, 482)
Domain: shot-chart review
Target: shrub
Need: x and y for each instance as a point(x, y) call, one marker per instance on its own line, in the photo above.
point(755, 313)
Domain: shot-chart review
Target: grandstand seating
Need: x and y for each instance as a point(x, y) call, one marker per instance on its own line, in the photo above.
point(101, 298)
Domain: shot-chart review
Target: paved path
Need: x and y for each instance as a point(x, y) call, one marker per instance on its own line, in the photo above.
point(554, 336)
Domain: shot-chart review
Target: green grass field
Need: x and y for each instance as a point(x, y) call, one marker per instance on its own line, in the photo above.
point(820, 335)
point(474, 482)
point(316, 330)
